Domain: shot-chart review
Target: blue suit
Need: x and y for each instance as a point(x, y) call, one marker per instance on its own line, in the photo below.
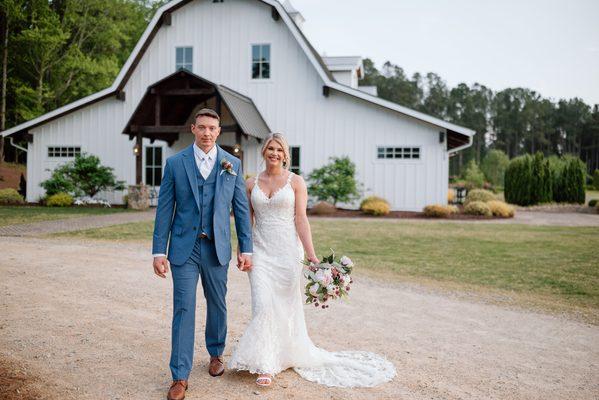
point(189, 205)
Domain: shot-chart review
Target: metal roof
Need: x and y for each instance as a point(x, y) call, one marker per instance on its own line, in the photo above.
point(245, 112)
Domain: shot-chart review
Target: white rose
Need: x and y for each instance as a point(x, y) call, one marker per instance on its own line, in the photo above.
point(331, 289)
point(313, 289)
point(324, 276)
point(346, 261)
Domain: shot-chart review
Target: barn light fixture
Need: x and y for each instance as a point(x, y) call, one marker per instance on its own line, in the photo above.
point(136, 149)
point(236, 148)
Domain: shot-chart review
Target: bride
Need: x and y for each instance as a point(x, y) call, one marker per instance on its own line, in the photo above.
point(276, 337)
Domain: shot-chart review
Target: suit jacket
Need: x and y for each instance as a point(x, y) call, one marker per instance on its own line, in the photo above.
point(178, 211)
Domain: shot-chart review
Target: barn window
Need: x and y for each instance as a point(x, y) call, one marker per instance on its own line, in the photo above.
point(64, 151)
point(261, 61)
point(184, 58)
point(403, 153)
point(295, 159)
point(153, 165)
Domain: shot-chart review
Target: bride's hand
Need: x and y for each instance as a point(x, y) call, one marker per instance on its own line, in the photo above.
point(313, 259)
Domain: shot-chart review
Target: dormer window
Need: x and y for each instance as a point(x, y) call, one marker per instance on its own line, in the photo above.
point(184, 58)
point(261, 61)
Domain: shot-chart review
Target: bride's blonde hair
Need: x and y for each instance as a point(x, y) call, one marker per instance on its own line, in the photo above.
point(280, 139)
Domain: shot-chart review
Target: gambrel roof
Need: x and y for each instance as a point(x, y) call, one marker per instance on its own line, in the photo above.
point(163, 16)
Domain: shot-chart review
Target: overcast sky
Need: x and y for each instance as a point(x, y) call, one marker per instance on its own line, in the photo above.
point(551, 46)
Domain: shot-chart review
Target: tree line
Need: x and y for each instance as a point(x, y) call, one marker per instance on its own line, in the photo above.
point(57, 51)
point(515, 120)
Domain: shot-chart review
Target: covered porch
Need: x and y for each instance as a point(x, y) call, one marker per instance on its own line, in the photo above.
point(167, 109)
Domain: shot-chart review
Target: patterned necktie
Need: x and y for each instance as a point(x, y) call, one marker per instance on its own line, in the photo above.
point(204, 168)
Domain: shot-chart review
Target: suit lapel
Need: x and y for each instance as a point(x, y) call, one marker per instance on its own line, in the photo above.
point(190, 166)
point(220, 155)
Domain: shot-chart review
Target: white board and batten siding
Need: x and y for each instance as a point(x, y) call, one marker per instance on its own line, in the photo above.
point(291, 102)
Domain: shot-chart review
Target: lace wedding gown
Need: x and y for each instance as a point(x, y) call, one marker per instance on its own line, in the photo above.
point(276, 338)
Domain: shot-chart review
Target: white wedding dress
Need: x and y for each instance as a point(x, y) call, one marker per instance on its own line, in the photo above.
point(276, 338)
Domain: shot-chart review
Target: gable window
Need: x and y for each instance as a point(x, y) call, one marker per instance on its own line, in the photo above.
point(153, 165)
point(64, 151)
point(261, 61)
point(184, 58)
point(411, 153)
point(295, 159)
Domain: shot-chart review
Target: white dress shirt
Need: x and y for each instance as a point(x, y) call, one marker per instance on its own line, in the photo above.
point(209, 159)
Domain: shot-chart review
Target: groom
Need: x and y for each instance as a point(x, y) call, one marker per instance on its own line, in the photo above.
point(199, 186)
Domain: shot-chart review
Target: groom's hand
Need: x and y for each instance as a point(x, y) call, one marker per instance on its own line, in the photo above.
point(161, 266)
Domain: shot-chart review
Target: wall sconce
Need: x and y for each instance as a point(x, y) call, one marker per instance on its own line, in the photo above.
point(237, 149)
point(136, 150)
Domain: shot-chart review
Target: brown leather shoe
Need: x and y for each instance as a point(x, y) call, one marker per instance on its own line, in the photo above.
point(177, 390)
point(216, 368)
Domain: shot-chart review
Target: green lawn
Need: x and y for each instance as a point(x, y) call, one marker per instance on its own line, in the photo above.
point(551, 267)
point(26, 214)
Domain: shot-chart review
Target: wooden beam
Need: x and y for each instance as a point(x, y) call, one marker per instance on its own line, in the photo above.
point(275, 14)
point(167, 19)
point(218, 106)
point(182, 92)
point(159, 129)
point(325, 91)
point(229, 128)
point(138, 159)
point(157, 111)
point(120, 95)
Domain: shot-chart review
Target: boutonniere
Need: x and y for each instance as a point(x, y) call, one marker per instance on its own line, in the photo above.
point(227, 166)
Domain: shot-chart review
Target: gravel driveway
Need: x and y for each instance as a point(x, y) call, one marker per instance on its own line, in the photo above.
point(89, 320)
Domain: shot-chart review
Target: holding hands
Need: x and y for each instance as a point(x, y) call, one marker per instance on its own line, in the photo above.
point(244, 262)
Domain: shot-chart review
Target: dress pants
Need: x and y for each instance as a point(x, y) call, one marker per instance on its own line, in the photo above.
point(203, 263)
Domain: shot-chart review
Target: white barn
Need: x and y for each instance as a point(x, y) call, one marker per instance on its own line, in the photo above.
point(249, 60)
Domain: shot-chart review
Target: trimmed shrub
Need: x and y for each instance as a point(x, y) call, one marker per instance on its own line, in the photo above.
point(501, 209)
point(596, 179)
point(478, 208)
point(59, 200)
point(592, 202)
point(82, 176)
point(439, 211)
point(542, 179)
point(518, 181)
point(569, 180)
point(376, 207)
point(529, 180)
point(479, 195)
point(10, 196)
point(335, 182)
point(369, 199)
point(323, 208)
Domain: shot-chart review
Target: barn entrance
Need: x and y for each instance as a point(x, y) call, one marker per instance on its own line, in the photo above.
point(168, 107)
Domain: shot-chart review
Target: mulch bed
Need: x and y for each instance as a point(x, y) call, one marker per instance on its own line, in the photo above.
point(11, 175)
point(344, 213)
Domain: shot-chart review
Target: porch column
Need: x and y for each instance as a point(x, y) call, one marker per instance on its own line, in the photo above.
point(138, 159)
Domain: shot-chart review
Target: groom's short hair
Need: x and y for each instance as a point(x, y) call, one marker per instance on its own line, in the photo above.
point(207, 112)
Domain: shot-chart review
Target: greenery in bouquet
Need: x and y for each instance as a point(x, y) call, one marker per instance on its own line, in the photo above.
point(328, 280)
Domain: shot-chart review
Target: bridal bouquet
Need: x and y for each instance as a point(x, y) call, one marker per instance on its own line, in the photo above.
point(329, 279)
